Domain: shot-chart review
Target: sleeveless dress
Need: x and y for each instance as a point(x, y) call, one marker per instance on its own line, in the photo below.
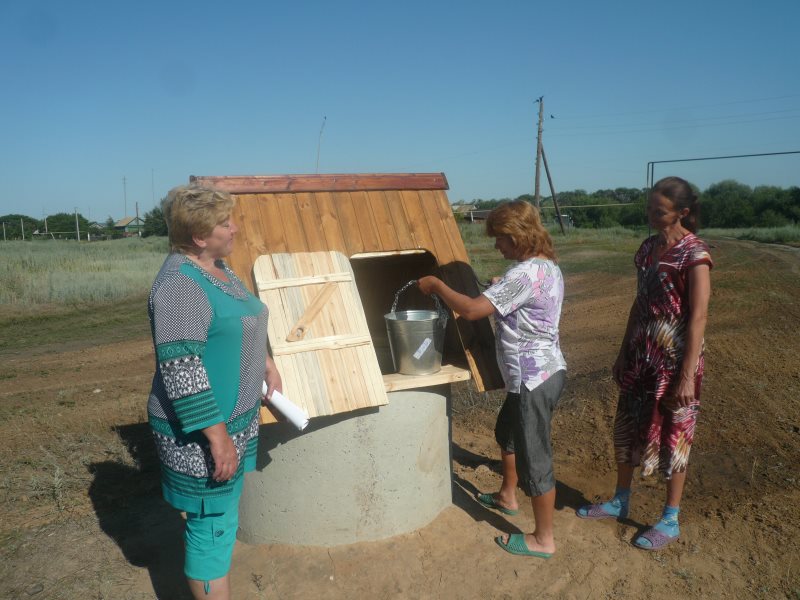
point(645, 432)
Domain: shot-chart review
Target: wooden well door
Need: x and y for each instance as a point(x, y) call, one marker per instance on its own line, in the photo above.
point(318, 333)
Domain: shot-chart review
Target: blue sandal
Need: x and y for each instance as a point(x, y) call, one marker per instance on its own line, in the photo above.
point(653, 539)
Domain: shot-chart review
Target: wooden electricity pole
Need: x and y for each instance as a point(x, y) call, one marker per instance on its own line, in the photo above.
point(552, 192)
point(536, 195)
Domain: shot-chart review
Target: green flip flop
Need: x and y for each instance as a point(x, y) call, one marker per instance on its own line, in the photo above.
point(489, 502)
point(516, 545)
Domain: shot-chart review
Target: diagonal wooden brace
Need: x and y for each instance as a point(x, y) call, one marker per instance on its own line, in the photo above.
point(298, 332)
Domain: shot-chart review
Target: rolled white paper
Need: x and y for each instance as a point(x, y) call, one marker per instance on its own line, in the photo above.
point(293, 413)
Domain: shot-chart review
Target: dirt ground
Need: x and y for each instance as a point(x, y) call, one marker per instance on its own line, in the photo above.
point(81, 514)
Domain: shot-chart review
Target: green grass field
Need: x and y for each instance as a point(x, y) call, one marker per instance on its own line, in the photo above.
point(67, 273)
point(788, 234)
point(58, 290)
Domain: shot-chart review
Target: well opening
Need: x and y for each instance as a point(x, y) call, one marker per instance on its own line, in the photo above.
point(378, 277)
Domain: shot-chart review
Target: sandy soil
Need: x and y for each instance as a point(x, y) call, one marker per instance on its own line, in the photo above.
point(82, 515)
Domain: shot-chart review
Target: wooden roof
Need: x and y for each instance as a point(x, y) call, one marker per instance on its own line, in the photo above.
point(356, 214)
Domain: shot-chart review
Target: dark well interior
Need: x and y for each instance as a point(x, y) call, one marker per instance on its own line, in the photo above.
point(378, 278)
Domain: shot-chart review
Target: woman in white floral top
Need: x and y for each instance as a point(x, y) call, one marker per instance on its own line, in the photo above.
point(526, 304)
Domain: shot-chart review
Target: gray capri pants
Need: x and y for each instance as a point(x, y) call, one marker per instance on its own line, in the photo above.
point(523, 428)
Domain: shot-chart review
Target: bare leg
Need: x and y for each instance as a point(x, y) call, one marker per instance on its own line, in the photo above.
point(220, 589)
point(625, 476)
point(541, 540)
point(675, 488)
point(507, 496)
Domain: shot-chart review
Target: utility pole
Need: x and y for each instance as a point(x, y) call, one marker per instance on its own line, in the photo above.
point(77, 229)
point(138, 225)
point(22, 226)
point(4, 231)
point(536, 195)
point(552, 191)
point(125, 198)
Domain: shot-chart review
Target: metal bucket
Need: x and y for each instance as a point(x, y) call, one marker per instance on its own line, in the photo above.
point(416, 337)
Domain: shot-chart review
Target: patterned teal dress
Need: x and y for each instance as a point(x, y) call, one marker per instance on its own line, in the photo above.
point(210, 340)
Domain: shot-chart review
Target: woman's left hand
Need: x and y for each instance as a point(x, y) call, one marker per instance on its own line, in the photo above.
point(683, 395)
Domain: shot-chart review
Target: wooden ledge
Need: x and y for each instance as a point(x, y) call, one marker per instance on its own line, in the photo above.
point(359, 182)
point(449, 374)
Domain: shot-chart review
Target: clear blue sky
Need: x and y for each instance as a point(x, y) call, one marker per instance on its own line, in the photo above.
point(156, 91)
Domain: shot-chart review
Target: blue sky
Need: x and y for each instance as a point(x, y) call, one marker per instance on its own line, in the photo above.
point(156, 91)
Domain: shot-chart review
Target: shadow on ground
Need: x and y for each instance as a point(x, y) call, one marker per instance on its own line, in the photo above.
point(128, 504)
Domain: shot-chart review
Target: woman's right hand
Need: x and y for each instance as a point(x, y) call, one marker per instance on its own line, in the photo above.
point(226, 460)
point(428, 284)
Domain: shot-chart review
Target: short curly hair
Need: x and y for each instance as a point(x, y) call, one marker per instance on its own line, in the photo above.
point(194, 211)
point(520, 221)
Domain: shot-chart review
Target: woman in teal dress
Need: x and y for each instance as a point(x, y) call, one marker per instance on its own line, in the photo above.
point(210, 338)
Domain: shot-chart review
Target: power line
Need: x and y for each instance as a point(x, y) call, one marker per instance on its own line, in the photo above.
point(657, 129)
point(662, 110)
point(699, 119)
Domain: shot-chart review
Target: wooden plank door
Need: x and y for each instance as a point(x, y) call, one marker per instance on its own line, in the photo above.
point(318, 332)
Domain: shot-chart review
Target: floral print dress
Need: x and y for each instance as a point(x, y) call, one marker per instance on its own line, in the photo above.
point(647, 433)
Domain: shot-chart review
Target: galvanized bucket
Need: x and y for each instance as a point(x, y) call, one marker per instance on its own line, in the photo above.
point(416, 337)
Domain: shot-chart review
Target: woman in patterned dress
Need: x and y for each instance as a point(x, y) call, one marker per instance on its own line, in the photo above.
point(526, 303)
point(659, 369)
point(210, 338)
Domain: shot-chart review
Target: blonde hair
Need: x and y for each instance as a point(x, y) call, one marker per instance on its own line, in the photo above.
point(194, 212)
point(520, 221)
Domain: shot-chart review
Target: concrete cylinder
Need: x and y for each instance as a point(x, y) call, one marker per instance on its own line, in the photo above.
point(358, 476)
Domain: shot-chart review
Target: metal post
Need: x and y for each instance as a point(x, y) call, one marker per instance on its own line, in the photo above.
point(77, 229)
point(22, 226)
point(4, 231)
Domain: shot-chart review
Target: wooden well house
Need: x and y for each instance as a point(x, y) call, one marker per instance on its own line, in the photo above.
point(327, 253)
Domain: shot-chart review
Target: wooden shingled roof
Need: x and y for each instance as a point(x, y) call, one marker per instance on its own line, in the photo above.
point(357, 214)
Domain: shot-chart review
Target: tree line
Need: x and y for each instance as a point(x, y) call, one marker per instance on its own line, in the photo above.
point(62, 226)
point(727, 204)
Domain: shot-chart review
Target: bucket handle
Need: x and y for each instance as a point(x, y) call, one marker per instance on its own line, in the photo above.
point(440, 309)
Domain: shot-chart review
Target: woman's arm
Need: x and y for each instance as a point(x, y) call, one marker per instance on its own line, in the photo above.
point(619, 364)
point(471, 309)
point(699, 294)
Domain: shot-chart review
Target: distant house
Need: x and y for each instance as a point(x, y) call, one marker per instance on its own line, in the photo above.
point(477, 215)
point(129, 226)
point(467, 212)
point(462, 209)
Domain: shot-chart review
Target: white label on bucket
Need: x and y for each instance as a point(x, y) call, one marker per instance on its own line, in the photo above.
point(422, 347)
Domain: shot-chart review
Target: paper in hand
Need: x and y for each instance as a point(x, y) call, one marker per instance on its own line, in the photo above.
point(293, 413)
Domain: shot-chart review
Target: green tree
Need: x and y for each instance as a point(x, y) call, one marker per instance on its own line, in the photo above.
point(154, 223)
point(728, 204)
point(16, 225)
point(62, 225)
